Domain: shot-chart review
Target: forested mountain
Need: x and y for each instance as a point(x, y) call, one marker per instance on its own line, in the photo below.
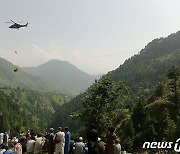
point(151, 64)
point(22, 109)
point(63, 74)
point(21, 79)
point(140, 98)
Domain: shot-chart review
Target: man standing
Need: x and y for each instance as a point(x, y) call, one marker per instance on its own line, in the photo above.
point(67, 141)
point(1, 138)
point(92, 138)
point(5, 139)
point(50, 139)
point(110, 140)
point(60, 136)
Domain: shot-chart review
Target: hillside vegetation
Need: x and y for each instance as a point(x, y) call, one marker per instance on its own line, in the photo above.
point(140, 98)
point(9, 78)
point(151, 64)
point(22, 109)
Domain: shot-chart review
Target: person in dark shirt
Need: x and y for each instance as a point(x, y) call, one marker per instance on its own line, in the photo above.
point(110, 140)
point(23, 142)
point(50, 142)
point(92, 138)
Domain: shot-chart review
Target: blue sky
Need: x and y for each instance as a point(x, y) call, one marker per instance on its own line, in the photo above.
point(94, 35)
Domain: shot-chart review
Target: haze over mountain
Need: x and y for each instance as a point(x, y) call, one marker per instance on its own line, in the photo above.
point(63, 74)
point(21, 79)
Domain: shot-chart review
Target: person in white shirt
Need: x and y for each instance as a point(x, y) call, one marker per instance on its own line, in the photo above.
point(79, 146)
point(117, 147)
point(38, 144)
point(59, 147)
point(1, 138)
point(30, 145)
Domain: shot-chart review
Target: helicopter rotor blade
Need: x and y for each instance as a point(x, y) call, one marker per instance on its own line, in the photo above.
point(9, 22)
point(13, 21)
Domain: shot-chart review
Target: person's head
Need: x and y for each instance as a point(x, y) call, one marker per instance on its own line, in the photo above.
point(99, 139)
point(51, 130)
point(80, 139)
point(4, 147)
point(23, 139)
point(66, 129)
point(117, 140)
point(111, 130)
point(32, 137)
point(15, 141)
point(59, 128)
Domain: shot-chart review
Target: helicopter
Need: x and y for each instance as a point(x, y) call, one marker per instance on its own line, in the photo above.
point(16, 25)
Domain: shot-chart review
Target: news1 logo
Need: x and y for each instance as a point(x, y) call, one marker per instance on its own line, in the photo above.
point(163, 145)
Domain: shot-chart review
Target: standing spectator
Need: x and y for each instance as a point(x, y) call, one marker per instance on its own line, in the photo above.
point(110, 140)
point(117, 147)
point(101, 146)
point(21, 134)
point(50, 141)
point(79, 146)
point(1, 137)
point(32, 133)
point(92, 137)
point(71, 146)
point(23, 142)
point(5, 139)
point(60, 136)
point(67, 141)
point(3, 148)
point(38, 144)
point(17, 147)
point(11, 143)
point(30, 145)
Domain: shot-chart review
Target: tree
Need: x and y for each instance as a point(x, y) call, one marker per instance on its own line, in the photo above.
point(100, 102)
point(173, 75)
point(169, 127)
point(126, 132)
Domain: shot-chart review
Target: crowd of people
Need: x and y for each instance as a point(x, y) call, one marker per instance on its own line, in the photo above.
point(60, 142)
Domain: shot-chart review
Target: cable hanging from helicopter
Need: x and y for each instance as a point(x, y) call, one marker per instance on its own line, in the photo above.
point(16, 68)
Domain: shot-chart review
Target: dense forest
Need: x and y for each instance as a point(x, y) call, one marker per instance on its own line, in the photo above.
point(140, 118)
point(22, 109)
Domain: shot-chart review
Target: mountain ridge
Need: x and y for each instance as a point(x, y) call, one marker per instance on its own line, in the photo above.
point(63, 74)
point(21, 79)
point(153, 61)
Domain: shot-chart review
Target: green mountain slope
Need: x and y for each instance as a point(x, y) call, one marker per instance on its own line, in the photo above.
point(21, 79)
point(64, 75)
point(26, 109)
point(151, 64)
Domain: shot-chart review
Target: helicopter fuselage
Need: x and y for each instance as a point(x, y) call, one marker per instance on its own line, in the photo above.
point(17, 26)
